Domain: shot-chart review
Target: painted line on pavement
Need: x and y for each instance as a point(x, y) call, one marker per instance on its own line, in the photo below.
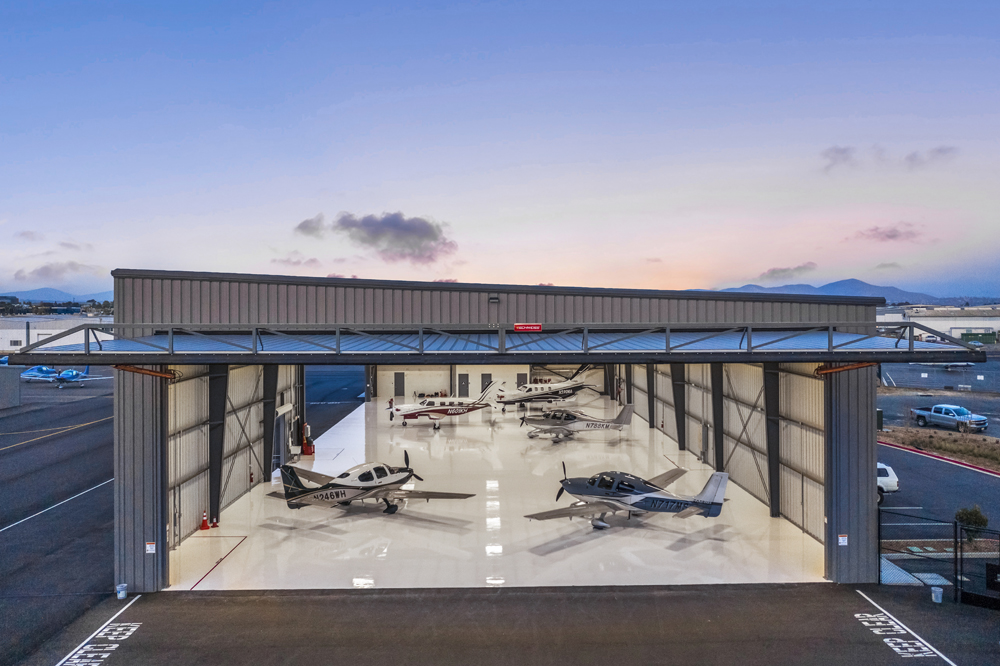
point(935, 456)
point(219, 562)
point(103, 626)
point(55, 505)
point(912, 633)
point(53, 434)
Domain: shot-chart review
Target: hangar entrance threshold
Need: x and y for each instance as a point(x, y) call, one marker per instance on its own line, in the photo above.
point(485, 541)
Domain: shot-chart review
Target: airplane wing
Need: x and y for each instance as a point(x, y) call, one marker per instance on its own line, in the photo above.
point(690, 511)
point(576, 510)
point(421, 494)
point(665, 479)
point(88, 379)
point(561, 431)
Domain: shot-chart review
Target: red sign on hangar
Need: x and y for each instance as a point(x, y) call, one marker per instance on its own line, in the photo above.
point(526, 328)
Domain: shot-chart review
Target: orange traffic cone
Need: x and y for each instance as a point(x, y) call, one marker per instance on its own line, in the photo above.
point(215, 522)
point(204, 520)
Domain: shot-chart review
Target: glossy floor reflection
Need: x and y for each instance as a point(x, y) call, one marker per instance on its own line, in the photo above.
point(485, 540)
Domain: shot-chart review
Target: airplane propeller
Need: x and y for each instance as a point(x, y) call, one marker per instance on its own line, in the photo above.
point(522, 421)
point(562, 488)
point(406, 463)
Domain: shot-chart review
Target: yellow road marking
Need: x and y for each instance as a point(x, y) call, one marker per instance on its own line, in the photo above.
point(67, 429)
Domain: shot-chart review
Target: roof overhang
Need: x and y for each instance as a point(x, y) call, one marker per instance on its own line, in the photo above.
point(313, 344)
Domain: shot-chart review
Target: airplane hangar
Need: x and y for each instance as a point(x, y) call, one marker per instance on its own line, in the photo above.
point(778, 391)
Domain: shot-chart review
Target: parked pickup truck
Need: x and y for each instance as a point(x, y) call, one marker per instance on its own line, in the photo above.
point(949, 416)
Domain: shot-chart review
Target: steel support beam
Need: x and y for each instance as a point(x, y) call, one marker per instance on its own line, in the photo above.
point(773, 435)
point(718, 416)
point(678, 375)
point(218, 386)
point(628, 383)
point(270, 386)
point(651, 393)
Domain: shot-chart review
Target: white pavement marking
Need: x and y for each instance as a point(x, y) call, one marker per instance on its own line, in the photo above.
point(102, 627)
point(890, 377)
point(55, 505)
point(929, 646)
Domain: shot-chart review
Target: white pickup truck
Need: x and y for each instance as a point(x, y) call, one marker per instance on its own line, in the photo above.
point(949, 416)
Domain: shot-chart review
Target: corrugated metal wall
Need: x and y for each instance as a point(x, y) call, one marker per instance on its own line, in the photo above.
point(140, 481)
point(851, 503)
point(801, 435)
point(161, 296)
point(187, 416)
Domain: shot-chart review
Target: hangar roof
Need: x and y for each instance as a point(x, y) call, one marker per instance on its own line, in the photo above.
point(293, 344)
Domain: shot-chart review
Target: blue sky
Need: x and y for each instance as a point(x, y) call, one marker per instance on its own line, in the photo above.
point(661, 145)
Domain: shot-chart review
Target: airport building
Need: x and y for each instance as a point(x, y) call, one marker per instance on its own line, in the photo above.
point(971, 323)
point(777, 391)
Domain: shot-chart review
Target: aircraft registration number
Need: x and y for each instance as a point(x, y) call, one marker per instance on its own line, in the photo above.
point(667, 505)
point(459, 410)
point(331, 495)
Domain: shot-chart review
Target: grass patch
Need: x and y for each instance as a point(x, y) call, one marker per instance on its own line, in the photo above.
point(976, 449)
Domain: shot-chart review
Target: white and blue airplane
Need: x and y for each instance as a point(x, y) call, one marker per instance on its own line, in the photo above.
point(66, 377)
point(611, 492)
point(42, 372)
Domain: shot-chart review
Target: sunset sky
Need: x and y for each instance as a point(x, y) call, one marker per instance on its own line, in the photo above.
point(665, 145)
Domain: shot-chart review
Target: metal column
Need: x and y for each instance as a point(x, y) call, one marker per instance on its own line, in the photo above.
point(851, 500)
point(628, 384)
point(651, 393)
point(270, 384)
point(678, 374)
point(140, 485)
point(718, 417)
point(773, 434)
point(218, 385)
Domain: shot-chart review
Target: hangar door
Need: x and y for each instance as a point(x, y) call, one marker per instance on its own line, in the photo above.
point(187, 440)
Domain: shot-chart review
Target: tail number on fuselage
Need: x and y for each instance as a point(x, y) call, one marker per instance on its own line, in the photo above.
point(330, 495)
point(458, 410)
point(598, 426)
point(666, 505)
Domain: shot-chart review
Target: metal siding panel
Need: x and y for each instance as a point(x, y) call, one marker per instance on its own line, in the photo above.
point(641, 401)
point(802, 399)
point(639, 377)
point(792, 506)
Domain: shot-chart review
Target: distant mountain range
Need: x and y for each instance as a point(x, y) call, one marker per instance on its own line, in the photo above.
point(859, 288)
point(50, 295)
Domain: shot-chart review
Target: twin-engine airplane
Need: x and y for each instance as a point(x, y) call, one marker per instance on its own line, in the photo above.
point(610, 492)
point(545, 392)
point(60, 378)
point(370, 480)
point(564, 423)
point(436, 409)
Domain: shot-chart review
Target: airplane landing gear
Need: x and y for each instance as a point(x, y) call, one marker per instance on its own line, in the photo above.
point(599, 523)
point(390, 508)
point(437, 426)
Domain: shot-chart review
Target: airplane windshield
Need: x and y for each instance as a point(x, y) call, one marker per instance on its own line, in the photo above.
point(606, 483)
point(344, 475)
point(423, 402)
point(380, 472)
point(592, 481)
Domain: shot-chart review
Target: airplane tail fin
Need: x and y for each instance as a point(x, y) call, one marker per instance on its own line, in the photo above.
point(714, 493)
point(625, 416)
point(86, 371)
point(490, 392)
point(292, 485)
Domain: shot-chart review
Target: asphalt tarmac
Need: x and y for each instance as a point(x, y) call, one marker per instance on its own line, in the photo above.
point(56, 510)
point(775, 625)
point(978, 377)
point(896, 406)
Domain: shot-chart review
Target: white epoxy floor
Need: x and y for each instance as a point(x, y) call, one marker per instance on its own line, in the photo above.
point(485, 540)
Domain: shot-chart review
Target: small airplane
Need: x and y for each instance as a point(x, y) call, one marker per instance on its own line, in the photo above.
point(565, 423)
point(610, 492)
point(42, 372)
point(545, 392)
point(436, 409)
point(948, 366)
point(370, 480)
point(69, 377)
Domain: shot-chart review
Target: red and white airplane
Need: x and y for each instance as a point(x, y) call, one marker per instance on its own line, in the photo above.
point(436, 409)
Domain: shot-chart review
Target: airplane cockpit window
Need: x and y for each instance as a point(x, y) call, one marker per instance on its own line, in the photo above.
point(592, 481)
point(381, 473)
point(366, 477)
point(625, 487)
point(423, 403)
point(430, 403)
point(344, 475)
point(570, 417)
point(606, 482)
